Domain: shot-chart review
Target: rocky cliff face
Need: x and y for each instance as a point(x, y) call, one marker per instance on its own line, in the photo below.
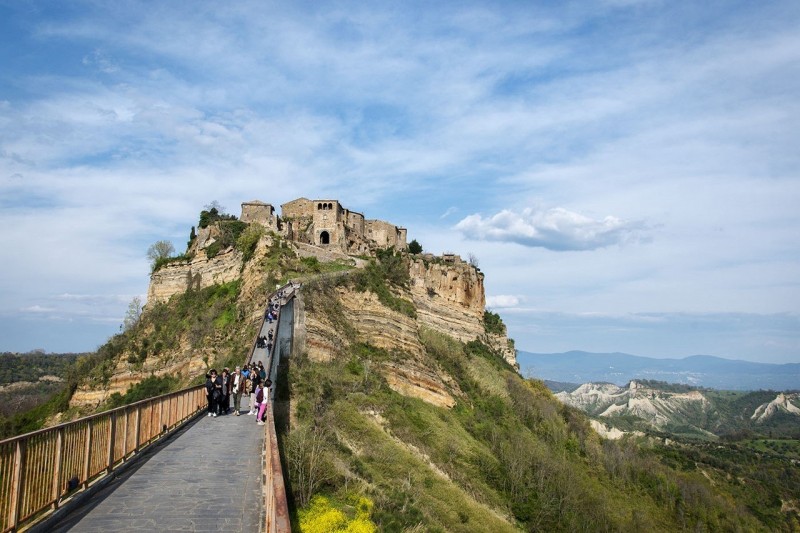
point(657, 407)
point(783, 403)
point(447, 296)
point(198, 273)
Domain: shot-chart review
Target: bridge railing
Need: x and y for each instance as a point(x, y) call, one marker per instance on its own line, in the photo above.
point(39, 470)
point(275, 503)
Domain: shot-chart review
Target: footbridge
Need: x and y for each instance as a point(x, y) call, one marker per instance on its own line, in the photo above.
point(156, 465)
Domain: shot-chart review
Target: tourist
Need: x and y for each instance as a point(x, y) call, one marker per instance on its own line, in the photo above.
point(258, 397)
point(237, 385)
point(225, 400)
point(255, 379)
point(213, 391)
point(264, 400)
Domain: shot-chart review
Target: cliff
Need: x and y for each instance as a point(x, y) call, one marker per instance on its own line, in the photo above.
point(441, 294)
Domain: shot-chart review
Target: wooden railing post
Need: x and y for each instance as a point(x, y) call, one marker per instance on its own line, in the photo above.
point(57, 467)
point(138, 428)
point(125, 436)
point(17, 483)
point(112, 437)
point(87, 457)
point(160, 417)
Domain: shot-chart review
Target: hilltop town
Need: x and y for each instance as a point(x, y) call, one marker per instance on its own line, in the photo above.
point(308, 240)
point(321, 228)
point(325, 223)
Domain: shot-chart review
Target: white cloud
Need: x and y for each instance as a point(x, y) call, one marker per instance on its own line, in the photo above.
point(555, 229)
point(37, 309)
point(502, 300)
point(450, 211)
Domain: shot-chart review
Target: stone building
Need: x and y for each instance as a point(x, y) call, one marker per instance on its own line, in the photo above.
point(326, 223)
point(257, 211)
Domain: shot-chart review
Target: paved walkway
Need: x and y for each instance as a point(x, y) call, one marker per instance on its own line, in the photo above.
point(208, 477)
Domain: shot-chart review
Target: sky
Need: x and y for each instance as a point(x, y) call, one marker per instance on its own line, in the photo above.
point(626, 172)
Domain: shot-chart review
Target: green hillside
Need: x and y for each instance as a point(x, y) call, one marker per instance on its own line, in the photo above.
point(508, 456)
point(33, 386)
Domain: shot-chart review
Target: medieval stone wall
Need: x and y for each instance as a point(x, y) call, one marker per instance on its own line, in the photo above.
point(259, 212)
point(327, 223)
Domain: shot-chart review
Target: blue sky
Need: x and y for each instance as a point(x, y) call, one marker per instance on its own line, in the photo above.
point(627, 172)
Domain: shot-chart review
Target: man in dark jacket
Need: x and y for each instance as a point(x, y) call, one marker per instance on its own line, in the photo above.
point(213, 392)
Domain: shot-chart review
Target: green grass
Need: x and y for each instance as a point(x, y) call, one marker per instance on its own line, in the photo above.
point(149, 387)
point(507, 449)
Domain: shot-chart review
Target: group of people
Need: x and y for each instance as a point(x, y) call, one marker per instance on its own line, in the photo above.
point(251, 380)
point(273, 308)
point(265, 341)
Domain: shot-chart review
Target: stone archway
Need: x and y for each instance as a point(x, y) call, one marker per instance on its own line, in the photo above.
point(324, 238)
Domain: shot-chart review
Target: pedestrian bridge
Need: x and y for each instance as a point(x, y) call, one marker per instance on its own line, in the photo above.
point(156, 465)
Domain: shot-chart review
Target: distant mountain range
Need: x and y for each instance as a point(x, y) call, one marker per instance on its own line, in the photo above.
point(698, 370)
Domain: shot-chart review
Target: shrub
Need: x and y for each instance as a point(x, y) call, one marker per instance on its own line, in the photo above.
point(391, 269)
point(247, 241)
point(322, 517)
point(207, 216)
point(492, 323)
point(163, 261)
point(149, 387)
point(212, 250)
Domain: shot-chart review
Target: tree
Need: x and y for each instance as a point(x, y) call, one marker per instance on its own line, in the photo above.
point(215, 207)
point(473, 260)
point(133, 314)
point(414, 247)
point(160, 250)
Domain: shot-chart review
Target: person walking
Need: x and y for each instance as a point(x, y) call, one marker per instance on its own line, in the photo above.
point(255, 378)
point(258, 397)
point(237, 386)
point(265, 392)
point(225, 400)
point(213, 391)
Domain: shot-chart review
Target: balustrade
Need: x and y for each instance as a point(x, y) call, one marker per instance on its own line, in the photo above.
point(40, 470)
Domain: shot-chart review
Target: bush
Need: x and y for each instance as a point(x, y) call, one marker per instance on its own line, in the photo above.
point(212, 215)
point(492, 323)
point(149, 387)
point(163, 261)
point(322, 517)
point(391, 269)
point(247, 241)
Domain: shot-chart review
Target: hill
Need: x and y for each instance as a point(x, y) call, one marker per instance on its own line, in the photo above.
point(683, 410)
point(699, 370)
point(400, 407)
point(32, 387)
